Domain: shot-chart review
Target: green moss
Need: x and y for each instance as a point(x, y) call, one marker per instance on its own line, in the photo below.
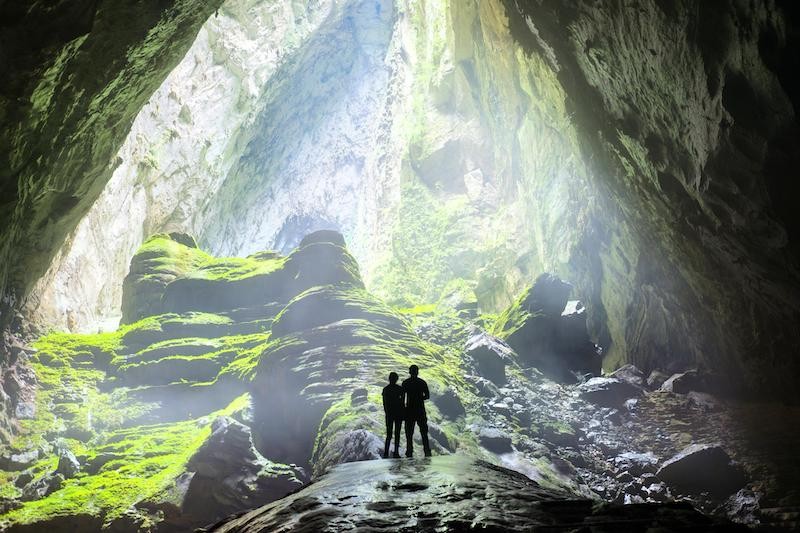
point(423, 242)
point(513, 317)
point(423, 309)
point(237, 268)
point(150, 458)
point(7, 488)
point(160, 255)
point(248, 354)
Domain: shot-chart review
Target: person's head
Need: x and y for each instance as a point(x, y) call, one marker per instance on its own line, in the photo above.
point(413, 370)
point(393, 377)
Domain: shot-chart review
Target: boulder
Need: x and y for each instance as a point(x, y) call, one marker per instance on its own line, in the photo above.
point(637, 464)
point(68, 464)
point(449, 404)
point(630, 374)
point(41, 487)
point(548, 295)
point(702, 468)
point(19, 460)
point(743, 507)
point(703, 401)
point(685, 382)
point(580, 355)
point(494, 440)
point(359, 445)
point(548, 332)
point(491, 355)
point(23, 479)
point(656, 379)
point(226, 475)
point(607, 391)
point(483, 386)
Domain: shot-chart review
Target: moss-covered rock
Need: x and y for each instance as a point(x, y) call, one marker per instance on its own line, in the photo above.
point(330, 342)
point(169, 276)
point(548, 334)
point(136, 404)
point(161, 259)
point(158, 418)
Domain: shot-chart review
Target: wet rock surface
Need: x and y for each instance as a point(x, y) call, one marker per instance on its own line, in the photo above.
point(451, 494)
point(702, 468)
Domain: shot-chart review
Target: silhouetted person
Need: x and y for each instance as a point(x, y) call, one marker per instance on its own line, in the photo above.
point(416, 392)
point(394, 409)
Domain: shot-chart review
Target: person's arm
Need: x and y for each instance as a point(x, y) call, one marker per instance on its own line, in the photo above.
point(385, 402)
point(425, 393)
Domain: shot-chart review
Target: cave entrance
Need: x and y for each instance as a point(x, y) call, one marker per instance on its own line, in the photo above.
point(444, 155)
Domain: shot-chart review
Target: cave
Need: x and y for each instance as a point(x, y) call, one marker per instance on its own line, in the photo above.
point(224, 223)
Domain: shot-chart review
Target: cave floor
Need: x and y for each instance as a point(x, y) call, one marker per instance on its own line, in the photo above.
point(762, 437)
point(450, 493)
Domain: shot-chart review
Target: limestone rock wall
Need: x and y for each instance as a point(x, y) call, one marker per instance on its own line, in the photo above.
point(78, 74)
point(687, 113)
point(179, 150)
point(75, 75)
point(322, 150)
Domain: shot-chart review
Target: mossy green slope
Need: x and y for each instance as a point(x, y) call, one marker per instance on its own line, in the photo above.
point(135, 405)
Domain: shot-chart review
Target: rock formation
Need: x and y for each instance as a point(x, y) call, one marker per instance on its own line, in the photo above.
point(451, 494)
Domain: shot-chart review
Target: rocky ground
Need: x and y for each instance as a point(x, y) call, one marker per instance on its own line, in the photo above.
point(233, 381)
point(450, 493)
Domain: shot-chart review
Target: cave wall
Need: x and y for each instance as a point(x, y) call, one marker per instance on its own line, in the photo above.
point(80, 72)
point(321, 151)
point(75, 75)
point(687, 114)
point(179, 150)
point(493, 188)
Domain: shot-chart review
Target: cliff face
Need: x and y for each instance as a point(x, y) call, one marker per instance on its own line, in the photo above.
point(77, 76)
point(689, 114)
point(178, 152)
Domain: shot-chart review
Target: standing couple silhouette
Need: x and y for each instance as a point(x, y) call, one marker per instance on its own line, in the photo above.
point(406, 402)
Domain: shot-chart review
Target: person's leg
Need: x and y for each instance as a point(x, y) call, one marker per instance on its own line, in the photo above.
point(410, 436)
point(423, 431)
point(388, 435)
point(397, 423)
